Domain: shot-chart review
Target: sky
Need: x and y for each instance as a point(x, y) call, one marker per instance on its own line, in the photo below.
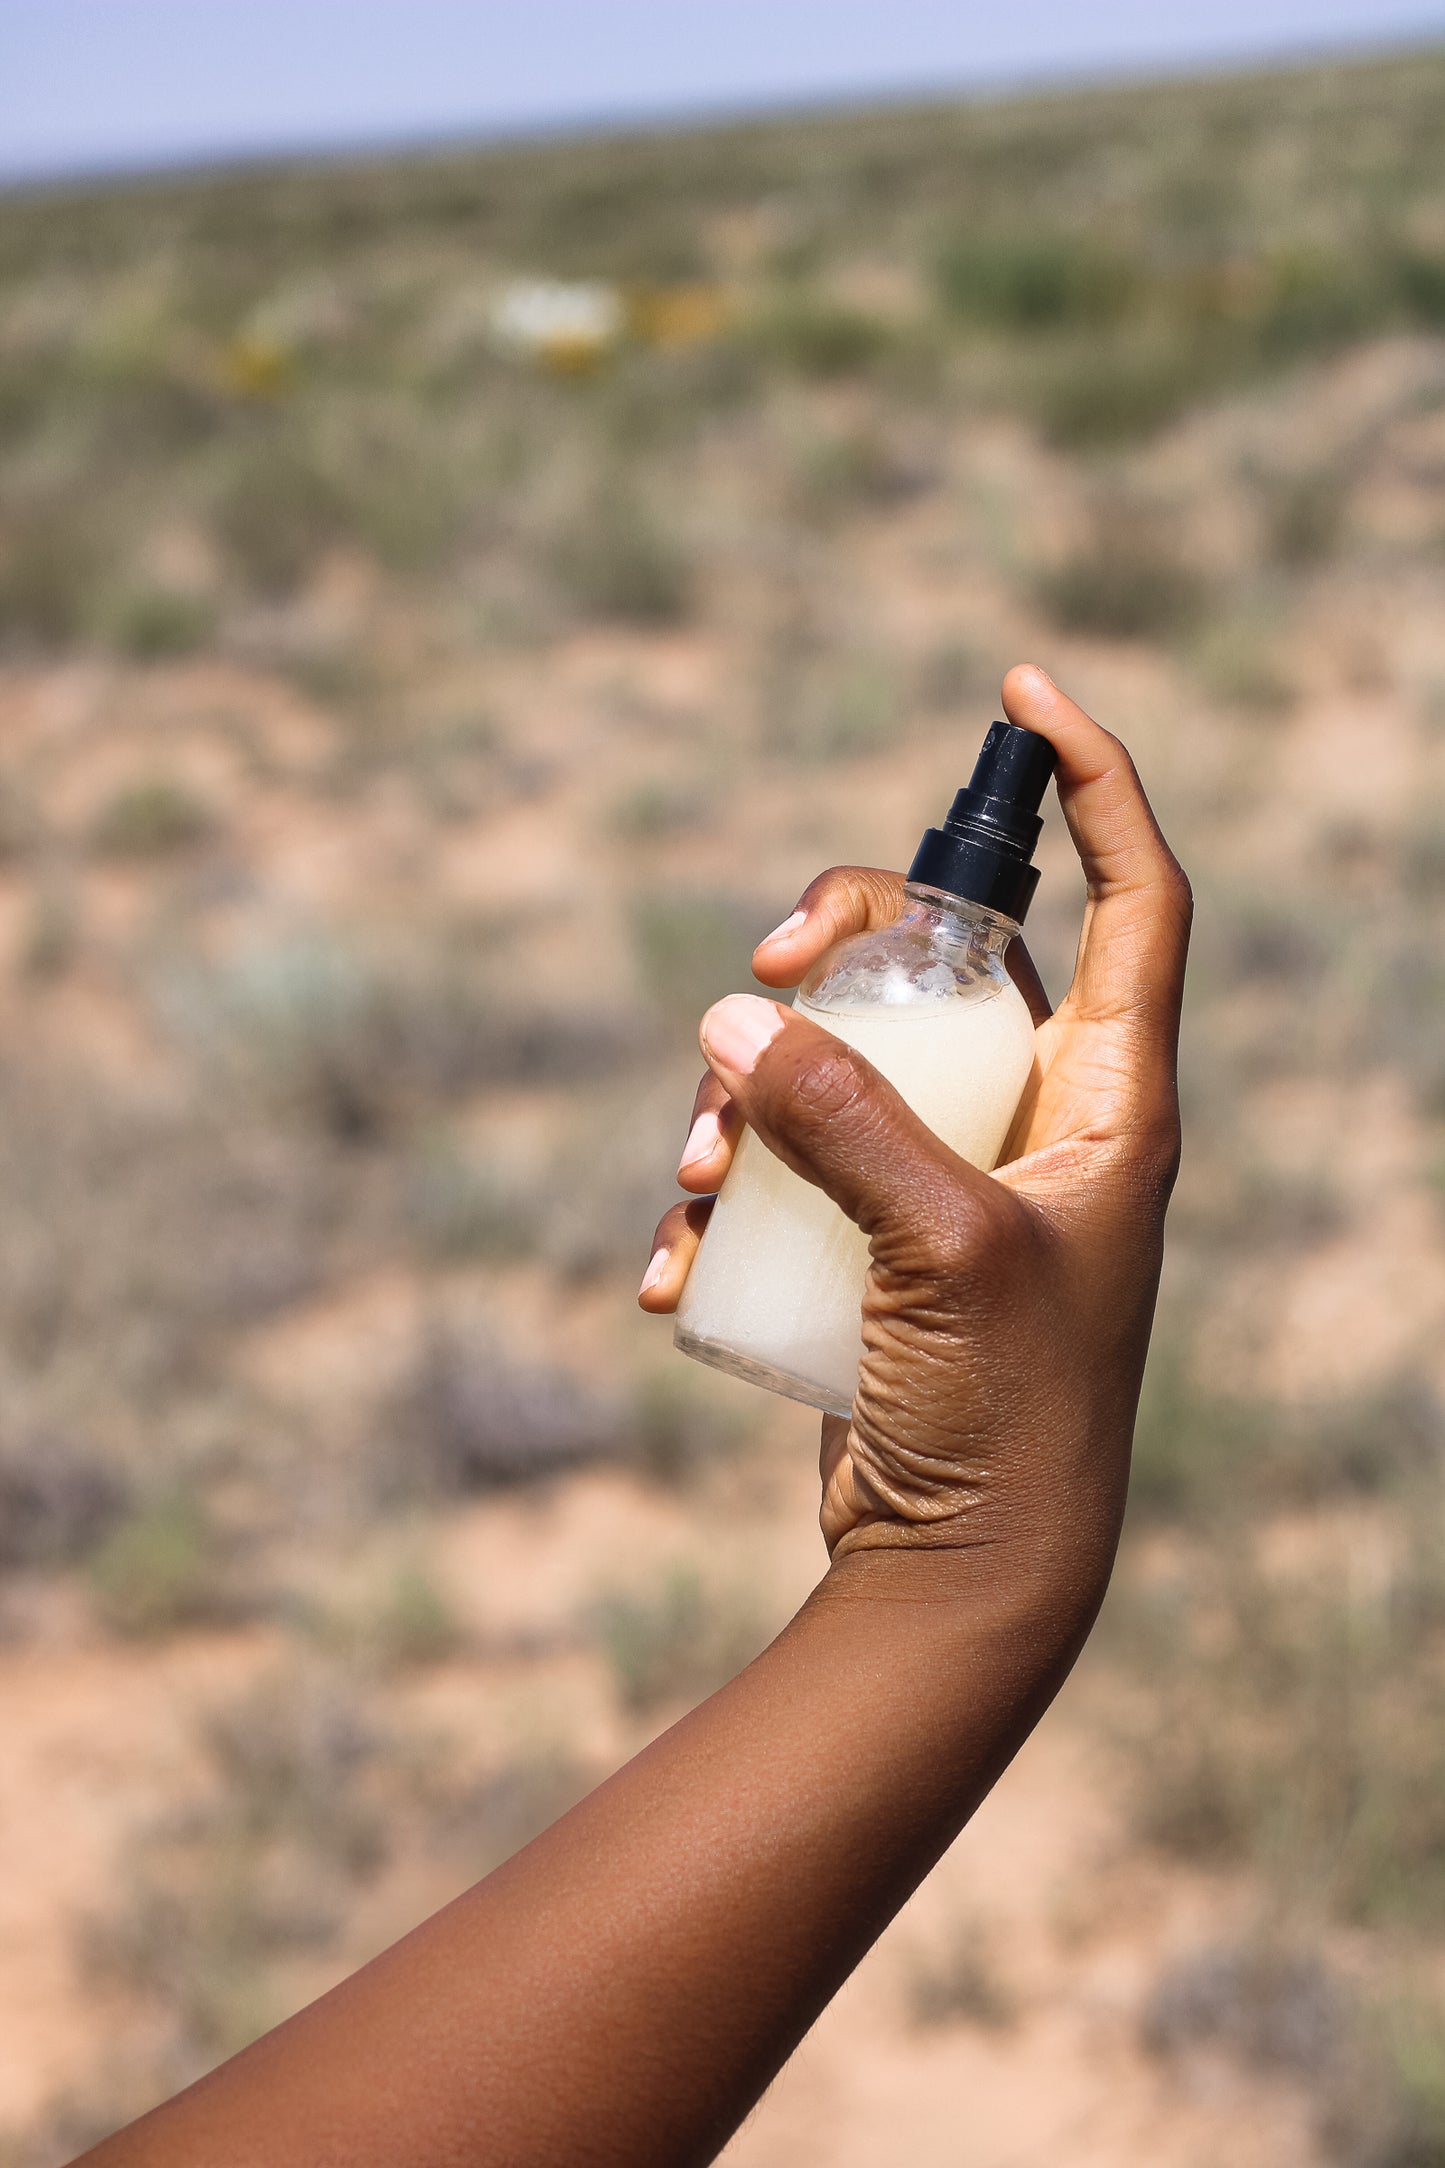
point(100, 84)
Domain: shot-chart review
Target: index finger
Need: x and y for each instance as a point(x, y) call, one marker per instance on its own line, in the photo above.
point(1136, 923)
point(859, 899)
point(844, 900)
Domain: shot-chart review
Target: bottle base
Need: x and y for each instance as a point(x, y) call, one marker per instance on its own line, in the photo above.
point(752, 1372)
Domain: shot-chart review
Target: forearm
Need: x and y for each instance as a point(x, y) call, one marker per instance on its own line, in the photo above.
point(626, 1986)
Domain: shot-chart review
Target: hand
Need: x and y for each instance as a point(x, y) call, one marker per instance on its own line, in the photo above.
point(1006, 1317)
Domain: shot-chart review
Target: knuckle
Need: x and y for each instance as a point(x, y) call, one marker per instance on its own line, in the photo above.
point(825, 887)
point(860, 895)
point(1166, 1150)
point(1154, 1147)
point(1118, 764)
point(1177, 888)
point(828, 1082)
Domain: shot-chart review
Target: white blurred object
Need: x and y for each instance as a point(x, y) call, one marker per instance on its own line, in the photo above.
point(563, 323)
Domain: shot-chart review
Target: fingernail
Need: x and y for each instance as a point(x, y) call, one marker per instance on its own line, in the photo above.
point(736, 1029)
point(702, 1141)
point(789, 925)
point(654, 1271)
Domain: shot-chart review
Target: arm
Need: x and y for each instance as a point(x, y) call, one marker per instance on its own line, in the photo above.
point(624, 1988)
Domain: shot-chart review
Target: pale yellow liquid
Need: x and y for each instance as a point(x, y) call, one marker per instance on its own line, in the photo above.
point(776, 1290)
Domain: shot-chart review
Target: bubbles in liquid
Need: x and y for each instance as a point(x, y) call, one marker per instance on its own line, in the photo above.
point(776, 1290)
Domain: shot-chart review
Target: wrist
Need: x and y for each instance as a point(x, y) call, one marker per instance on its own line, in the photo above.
point(934, 1665)
point(1042, 1588)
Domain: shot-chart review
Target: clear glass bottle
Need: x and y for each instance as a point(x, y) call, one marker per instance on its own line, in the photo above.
point(775, 1293)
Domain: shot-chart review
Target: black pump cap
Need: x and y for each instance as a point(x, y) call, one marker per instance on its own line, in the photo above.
point(984, 849)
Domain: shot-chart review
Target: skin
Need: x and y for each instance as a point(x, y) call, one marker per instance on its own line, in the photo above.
point(623, 1990)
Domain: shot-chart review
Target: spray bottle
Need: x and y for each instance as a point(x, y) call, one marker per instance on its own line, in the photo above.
point(775, 1293)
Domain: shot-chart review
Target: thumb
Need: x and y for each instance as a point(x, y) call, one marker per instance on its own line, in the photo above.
point(827, 1113)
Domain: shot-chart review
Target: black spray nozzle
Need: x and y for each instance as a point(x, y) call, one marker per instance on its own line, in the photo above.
point(984, 849)
point(1012, 770)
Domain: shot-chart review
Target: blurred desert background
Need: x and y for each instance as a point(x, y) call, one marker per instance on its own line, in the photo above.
point(449, 606)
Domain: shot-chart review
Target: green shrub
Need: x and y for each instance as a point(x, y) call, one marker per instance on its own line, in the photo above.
point(676, 1645)
point(958, 1982)
point(1241, 663)
point(1267, 2004)
point(1128, 581)
point(50, 560)
point(400, 496)
point(157, 1571)
point(1270, 940)
point(1304, 516)
point(415, 1624)
point(691, 947)
point(1374, 2077)
point(394, 1616)
point(1098, 392)
point(1412, 2112)
point(1380, 1442)
point(58, 1499)
point(1313, 304)
point(814, 336)
point(27, 387)
point(679, 1431)
point(1115, 359)
point(613, 1164)
point(840, 710)
point(472, 1417)
point(117, 2089)
point(1401, 1010)
point(262, 1864)
point(660, 808)
point(1419, 281)
point(358, 1044)
point(52, 938)
point(953, 675)
point(1300, 1729)
point(151, 819)
point(517, 1801)
point(152, 623)
point(460, 1209)
point(616, 559)
point(856, 468)
point(294, 1755)
point(1033, 282)
point(22, 821)
point(275, 512)
point(201, 1955)
point(1422, 855)
point(1190, 1447)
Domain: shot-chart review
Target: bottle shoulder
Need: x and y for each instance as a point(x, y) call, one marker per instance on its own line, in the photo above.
point(912, 964)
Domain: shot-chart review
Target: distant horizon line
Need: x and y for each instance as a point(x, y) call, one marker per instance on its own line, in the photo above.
point(238, 158)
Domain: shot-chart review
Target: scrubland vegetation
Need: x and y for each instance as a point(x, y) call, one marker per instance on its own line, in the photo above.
point(404, 739)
